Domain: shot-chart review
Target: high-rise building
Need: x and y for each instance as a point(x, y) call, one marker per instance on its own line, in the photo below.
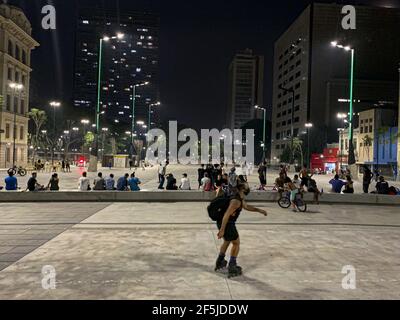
point(126, 62)
point(305, 62)
point(16, 44)
point(246, 81)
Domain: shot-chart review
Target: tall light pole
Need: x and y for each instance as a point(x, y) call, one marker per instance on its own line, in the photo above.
point(95, 151)
point(308, 127)
point(54, 105)
point(264, 128)
point(85, 122)
point(352, 158)
point(17, 88)
point(290, 90)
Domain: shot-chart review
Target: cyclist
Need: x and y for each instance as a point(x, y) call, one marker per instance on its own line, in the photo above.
point(294, 190)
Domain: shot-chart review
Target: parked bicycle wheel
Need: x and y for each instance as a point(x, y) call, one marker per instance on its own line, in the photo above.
point(284, 201)
point(22, 172)
point(301, 204)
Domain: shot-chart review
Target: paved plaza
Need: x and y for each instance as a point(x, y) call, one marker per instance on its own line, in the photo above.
point(167, 251)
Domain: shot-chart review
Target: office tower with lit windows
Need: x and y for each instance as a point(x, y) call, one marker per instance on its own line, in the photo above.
point(305, 62)
point(246, 81)
point(126, 62)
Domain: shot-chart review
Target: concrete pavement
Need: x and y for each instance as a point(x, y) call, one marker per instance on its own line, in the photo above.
point(167, 251)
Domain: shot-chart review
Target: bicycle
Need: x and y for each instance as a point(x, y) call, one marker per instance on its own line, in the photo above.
point(285, 203)
point(18, 170)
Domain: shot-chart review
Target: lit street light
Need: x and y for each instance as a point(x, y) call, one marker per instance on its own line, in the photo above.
point(352, 160)
point(264, 130)
point(308, 127)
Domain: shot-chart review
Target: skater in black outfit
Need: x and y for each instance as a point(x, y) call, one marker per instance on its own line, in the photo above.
point(228, 231)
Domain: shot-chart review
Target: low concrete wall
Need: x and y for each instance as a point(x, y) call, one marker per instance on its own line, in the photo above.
point(183, 196)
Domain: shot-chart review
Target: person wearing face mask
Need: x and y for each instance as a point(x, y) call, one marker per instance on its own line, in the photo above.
point(228, 231)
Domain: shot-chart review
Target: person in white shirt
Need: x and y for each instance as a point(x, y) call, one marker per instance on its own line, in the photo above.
point(206, 183)
point(84, 182)
point(185, 182)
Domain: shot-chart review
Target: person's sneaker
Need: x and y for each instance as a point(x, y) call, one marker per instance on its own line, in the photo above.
point(234, 271)
point(220, 264)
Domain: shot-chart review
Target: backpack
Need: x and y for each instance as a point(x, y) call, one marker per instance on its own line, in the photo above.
point(218, 207)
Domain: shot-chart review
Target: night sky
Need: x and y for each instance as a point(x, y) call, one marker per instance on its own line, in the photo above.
point(197, 42)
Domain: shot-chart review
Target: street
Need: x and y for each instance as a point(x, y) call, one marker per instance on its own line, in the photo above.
point(168, 251)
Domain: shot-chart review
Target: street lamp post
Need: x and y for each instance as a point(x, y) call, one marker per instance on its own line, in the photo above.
point(308, 127)
point(264, 127)
point(352, 159)
point(291, 90)
point(16, 87)
point(85, 123)
point(95, 149)
point(54, 105)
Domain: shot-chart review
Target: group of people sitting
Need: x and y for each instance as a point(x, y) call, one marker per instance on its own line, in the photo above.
point(124, 183)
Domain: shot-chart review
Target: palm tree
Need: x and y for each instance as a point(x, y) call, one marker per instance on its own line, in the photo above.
point(39, 118)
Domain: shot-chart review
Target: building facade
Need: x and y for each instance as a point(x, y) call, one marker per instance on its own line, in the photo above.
point(306, 63)
point(129, 61)
point(16, 44)
point(246, 82)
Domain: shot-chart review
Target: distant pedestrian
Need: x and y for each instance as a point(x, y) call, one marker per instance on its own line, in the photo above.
point(122, 183)
point(130, 164)
point(68, 166)
point(99, 183)
point(206, 184)
point(110, 183)
point(262, 175)
point(84, 182)
point(367, 178)
point(200, 174)
point(54, 182)
point(11, 181)
point(162, 171)
point(134, 183)
point(63, 166)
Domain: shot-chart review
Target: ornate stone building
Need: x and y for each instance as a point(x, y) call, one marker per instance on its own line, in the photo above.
point(16, 44)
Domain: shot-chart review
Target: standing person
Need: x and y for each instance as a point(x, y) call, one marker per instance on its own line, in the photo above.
point(11, 181)
point(233, 178)
point(262, 175)
point(283, 170)
point(110, 183)
point(293, 187)
point(54, 182)
point(349, 187)
point(367, 177)
point(63, 165)
point(134, 183)
point(185, 182)
point(228, 231)
point(84, 182)
point(68, 166)
point(33, 185)
point(162, 171)
point(110, 164)
point(130, 164)
point(99, 183)
point(337, 184)
point(200, 174)
point(122, 183)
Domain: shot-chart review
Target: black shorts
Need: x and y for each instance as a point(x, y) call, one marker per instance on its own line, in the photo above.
point(304, 182)
point(231, 233)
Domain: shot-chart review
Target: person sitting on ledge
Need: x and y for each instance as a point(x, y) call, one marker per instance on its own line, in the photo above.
point(134, 183)
point(33, 185)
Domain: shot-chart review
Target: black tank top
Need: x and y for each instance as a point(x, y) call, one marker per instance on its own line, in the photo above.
point(238, 211)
